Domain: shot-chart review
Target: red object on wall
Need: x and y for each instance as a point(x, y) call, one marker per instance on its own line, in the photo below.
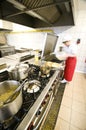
point(78, 41)
point(85, 60)
point(70, 65)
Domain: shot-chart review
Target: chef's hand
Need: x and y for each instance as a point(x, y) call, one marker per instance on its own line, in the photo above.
point(62, 55)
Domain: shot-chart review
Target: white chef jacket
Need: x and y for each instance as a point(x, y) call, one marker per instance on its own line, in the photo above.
point(67, 51)
point(70, 50)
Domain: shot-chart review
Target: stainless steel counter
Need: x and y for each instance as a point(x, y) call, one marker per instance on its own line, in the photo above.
point(13, 59)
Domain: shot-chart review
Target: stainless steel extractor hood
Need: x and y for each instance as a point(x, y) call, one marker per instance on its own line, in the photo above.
point(37, 13)
point(5, 25)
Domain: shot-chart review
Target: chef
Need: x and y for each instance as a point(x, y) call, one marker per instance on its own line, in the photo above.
point(70, 50)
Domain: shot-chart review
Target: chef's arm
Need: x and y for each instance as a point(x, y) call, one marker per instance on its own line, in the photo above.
point(61, 55)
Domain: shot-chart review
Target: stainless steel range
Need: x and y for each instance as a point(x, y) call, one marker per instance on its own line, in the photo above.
point(36, 103)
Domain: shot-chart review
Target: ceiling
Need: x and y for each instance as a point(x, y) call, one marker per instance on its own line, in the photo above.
point(37, 13)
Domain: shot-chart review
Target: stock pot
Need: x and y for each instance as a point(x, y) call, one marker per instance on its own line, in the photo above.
point(19, 72)
point(9, 109)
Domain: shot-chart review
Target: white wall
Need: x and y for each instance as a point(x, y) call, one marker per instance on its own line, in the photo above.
point(27, 40)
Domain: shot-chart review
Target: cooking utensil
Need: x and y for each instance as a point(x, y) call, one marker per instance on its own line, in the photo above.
point(45, 69)
point(19, 72)
point(32, 86)
point(11, 105)
point(23, 71)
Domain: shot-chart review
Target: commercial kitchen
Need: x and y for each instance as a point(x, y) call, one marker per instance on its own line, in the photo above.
point(30, 84)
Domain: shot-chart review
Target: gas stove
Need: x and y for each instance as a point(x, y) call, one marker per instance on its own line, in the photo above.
point(35, 104)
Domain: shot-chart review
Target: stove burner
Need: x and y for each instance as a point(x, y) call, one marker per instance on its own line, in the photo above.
point(28, 99)
point(32, 86)
point(43, 75)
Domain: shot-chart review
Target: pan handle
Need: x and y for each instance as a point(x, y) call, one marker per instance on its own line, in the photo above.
point(18, 89)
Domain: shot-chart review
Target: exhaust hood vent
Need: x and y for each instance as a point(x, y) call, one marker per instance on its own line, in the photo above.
point(37, 13)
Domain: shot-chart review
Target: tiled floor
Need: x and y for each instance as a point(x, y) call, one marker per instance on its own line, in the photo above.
point(72, 114)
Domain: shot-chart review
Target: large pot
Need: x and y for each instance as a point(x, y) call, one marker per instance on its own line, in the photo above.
point(9, 109)
point(19, 72)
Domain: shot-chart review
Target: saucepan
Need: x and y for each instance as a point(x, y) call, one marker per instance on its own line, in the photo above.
point(11, 99)
point(18, 72)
